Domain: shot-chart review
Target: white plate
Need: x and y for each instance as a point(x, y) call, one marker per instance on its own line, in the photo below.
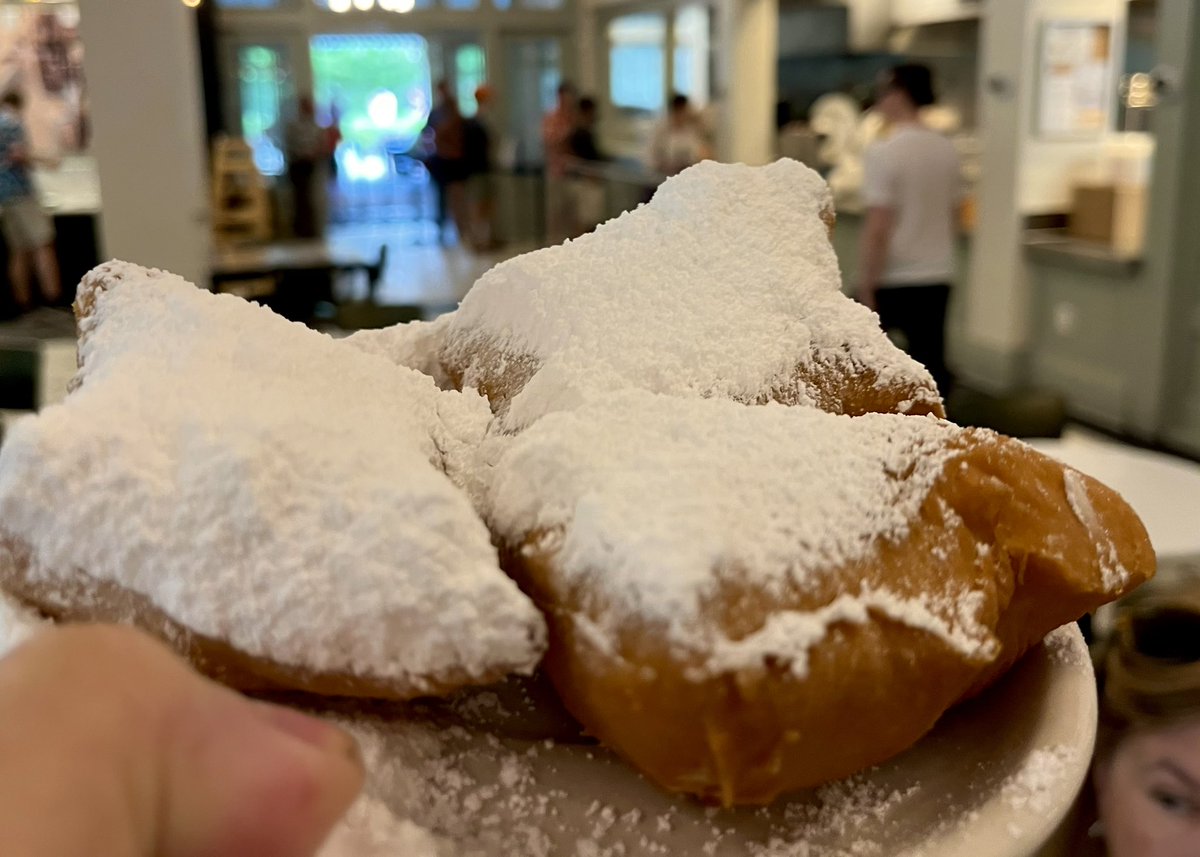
point(992, 780)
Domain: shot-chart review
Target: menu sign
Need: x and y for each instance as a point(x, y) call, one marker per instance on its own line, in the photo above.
point(1076, 79)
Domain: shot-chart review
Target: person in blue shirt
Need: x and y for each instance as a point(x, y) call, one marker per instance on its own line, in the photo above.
point(27, 228)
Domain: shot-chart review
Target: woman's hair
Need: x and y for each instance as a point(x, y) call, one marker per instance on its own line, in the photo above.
point(1149, 668)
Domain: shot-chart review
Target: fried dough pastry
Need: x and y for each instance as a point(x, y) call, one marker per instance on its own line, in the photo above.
point(415, 345)
point(275, 505)
point(747, 601)
point(724, 285)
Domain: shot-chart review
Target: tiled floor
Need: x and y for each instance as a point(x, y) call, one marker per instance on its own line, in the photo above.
point(419, 271)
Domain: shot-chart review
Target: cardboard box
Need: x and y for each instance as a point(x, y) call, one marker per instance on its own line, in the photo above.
point(1093, 208)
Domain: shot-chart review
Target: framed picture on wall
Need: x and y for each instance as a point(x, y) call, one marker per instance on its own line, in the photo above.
point(1076, 80)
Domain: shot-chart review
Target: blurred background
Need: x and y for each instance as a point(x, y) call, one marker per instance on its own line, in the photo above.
point(359, 162)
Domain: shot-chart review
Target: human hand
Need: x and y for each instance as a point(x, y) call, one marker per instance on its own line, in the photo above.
point(112, 747)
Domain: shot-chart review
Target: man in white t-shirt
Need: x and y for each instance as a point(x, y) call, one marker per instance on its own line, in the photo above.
point(911, 190)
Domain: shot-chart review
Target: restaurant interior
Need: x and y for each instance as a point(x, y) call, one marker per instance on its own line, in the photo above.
point(164, 133)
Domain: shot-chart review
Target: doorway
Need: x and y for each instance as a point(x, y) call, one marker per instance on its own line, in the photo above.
point(532, 73)
point(377, 90)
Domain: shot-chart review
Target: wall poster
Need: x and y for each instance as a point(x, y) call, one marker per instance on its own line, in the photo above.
point(1076, 82)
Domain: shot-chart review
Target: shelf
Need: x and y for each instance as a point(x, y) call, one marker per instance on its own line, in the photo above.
point(1055, 247)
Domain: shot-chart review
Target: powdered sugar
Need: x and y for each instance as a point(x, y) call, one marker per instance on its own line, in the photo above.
point(635, 482)
point(415, 345)
point(1067, 646)
point(265, 485)
point(1113, 572)
point(17, 624)
point(842, 812)
point(435, 789)
point(370, 829)
point(492, 797)
point(1035, 787)
point(722, 285)
point(989, 768)
point(789, 634)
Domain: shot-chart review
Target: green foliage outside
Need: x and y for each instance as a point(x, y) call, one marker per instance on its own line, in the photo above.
point(349, 70)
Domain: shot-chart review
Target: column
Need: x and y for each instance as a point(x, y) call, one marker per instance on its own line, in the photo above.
point(748, 60)
point(144, 89)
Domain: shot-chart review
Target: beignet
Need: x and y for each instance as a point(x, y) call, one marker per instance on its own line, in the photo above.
point(744, 601)
point(274, 504)
point(724, 285)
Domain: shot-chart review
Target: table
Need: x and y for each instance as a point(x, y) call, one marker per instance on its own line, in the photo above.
point(250, 261)
point(1165, 492)
point(37, 358)
point(1163, 489)
point(298, 274)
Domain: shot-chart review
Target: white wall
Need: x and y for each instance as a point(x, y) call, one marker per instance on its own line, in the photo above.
point(144, 88)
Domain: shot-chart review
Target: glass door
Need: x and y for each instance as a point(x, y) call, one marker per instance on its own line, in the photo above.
point(532, 73)
point(377, 89)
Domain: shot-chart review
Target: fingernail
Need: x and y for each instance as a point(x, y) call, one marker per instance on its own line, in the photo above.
point(312, 731)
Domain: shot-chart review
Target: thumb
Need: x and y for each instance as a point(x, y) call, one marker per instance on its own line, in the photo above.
point(112, 746)
point(255, 779)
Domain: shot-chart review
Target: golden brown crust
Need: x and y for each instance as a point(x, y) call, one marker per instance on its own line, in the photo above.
point(835, 386)
point(871, 690)
point(497, 376)
point(829, 218)
point(95, 281)
point(80, 597)
point(841, 387)
point(833, 382)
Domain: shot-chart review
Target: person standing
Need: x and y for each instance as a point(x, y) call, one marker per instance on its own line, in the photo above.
point(582, 142)
point(304, 143)
point(438, 115)
point(557, 127)
point(912, 194)
point(679, 140)
point(27, 228)
point(588, 196)
point(479, 146)
point(450, 165)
